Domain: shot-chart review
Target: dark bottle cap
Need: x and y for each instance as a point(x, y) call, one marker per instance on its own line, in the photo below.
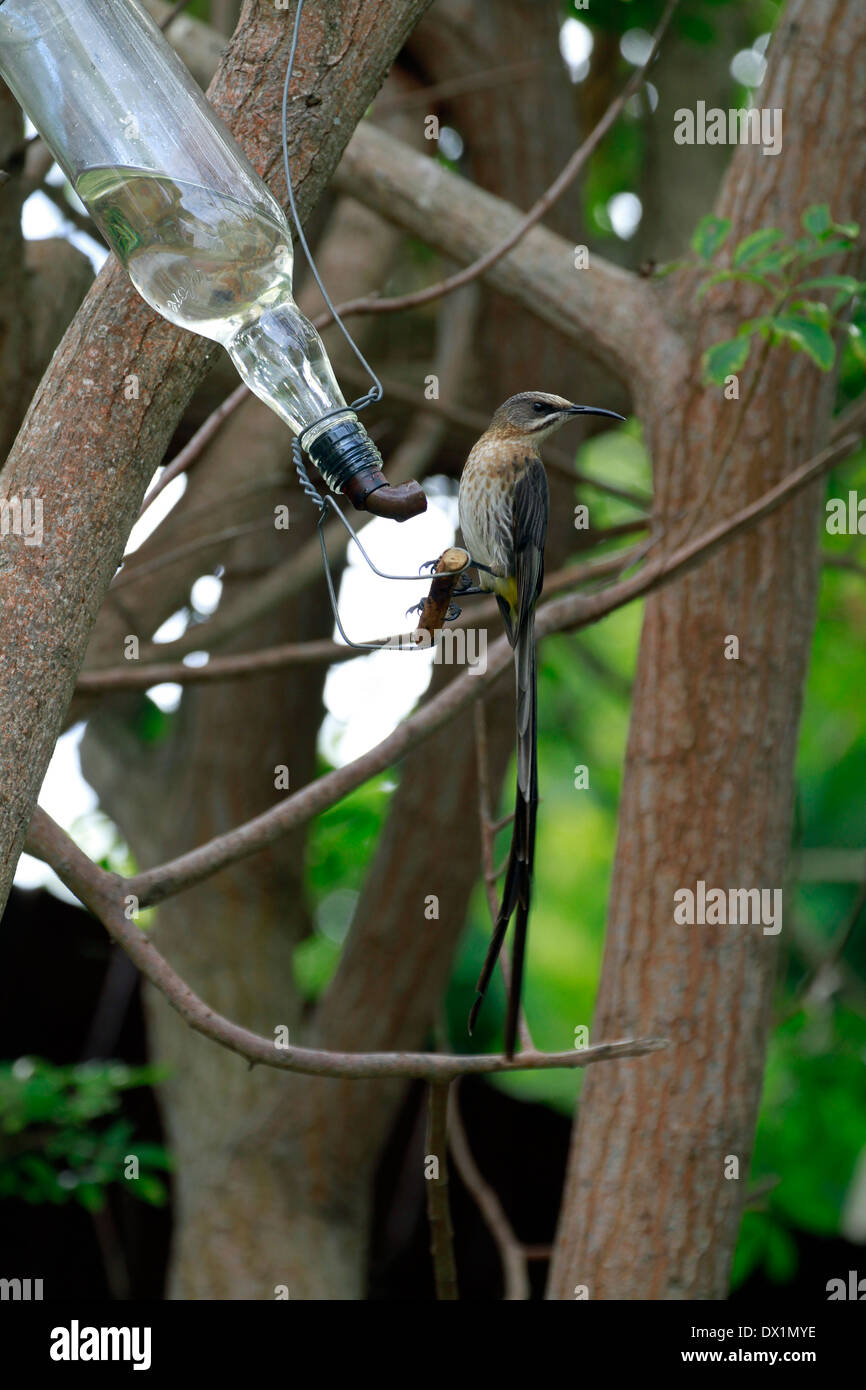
point(351, 465)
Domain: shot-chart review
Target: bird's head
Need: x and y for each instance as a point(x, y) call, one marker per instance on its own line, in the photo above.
point(536, 414)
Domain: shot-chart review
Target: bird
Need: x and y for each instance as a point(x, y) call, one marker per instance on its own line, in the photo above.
point(503, 507)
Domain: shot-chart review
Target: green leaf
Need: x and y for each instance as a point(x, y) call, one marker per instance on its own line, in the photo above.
point(752, 248)
point(152, 1155)
point(827, 248)
point(832, 282)
point(313, 964)
point(815, 310)
point(149, 1189)
point(817, 220)
point(747, 275)
point(762, 325)
point(775, 261)
point(667, 268)
point(781, 1254)
point(709, 235)
point(725, 359)
point(807, 336)
point(90, 1195)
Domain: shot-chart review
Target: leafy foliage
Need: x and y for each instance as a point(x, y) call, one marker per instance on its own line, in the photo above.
point(778, 266)
point(812, 1132)
point(53, 1147)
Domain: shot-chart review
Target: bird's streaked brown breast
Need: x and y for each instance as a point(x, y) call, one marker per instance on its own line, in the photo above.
point(486, 497)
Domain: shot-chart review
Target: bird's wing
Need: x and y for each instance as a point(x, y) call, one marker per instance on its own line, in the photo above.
point(529, 518)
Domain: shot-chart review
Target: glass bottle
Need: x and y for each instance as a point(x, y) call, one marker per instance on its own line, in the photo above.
point(201, 236)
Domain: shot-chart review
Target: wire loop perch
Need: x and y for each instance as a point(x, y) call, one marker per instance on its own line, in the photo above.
point(326, 504)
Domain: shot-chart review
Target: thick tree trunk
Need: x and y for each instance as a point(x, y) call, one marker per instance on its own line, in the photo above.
point(649, 1212)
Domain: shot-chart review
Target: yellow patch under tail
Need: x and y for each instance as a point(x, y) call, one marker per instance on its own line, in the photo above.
point(507, 589)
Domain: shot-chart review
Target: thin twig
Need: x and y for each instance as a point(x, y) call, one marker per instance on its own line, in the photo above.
point(512, 1254)
point(471, 82)
point(72, 215)
point(823, 966)
point(219, 668)
point(547, 200)
point(438, 1206)
point(685, 557)
point(132, 573)
point(853, 417)
point(717, 470)
point(843, 562)
point(193, 448)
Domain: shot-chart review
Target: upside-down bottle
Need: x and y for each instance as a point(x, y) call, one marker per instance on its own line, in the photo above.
point(202, 238)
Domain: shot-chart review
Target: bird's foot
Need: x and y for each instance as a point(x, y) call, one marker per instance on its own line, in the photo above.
point(464, 587)
point(452, 613)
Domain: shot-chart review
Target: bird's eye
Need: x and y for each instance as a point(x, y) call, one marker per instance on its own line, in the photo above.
point(540, 407)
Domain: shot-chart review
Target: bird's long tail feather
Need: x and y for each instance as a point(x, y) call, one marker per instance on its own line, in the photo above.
point(518, 875)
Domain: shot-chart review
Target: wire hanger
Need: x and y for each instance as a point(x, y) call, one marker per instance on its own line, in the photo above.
point(327, 503)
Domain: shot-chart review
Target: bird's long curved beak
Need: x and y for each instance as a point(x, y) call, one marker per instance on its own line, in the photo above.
point(593, 410)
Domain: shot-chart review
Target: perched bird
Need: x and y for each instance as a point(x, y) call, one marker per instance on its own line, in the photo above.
point(504, 505)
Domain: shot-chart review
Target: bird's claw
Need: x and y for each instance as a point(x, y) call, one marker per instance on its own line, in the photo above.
point(415, 608)
point(430, 565)
point(452, 613)
point(464, 582)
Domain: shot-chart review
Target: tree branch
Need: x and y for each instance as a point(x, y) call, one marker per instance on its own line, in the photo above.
point(104, 895)
point(194, 447)
point(548, 199)
point(597, 306)
point(438, 1206)
point(511, 1252)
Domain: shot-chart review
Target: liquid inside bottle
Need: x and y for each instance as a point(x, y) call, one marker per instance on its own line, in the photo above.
point(222, 268)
